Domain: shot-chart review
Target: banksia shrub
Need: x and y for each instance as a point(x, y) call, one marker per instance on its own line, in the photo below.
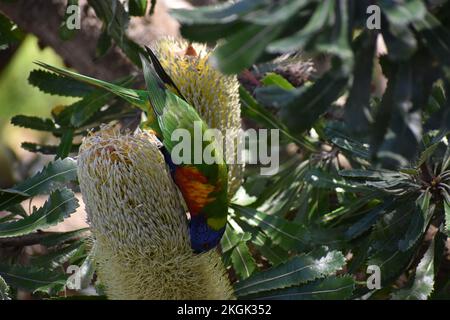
point(138, 220)
point(214, 95)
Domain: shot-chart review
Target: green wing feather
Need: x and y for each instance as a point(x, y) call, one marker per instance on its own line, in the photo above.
point(173, 112)
point(156, 88)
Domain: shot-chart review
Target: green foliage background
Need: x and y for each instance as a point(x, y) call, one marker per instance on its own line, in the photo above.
point(311, 230)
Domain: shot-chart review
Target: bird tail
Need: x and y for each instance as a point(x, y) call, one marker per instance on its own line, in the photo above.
point(127, 94)
point(162, 73)
point(155, 86)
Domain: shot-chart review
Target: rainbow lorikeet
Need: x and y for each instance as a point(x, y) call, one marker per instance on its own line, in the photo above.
point(204, 186)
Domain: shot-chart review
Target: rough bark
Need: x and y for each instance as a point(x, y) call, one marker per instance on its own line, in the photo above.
point(43, 18)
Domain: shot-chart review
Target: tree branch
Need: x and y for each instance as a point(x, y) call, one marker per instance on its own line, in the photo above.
point(43, 19)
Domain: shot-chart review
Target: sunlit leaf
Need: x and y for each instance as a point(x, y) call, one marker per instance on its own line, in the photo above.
point(54, 175)
point(243, 263)
point(33, 279)
point(61, 204)
point(296, 271)
point(281, 232)
point(137, 7)
point(423, 283)
point(4, 290)
point(53, 84)
point(330, 288)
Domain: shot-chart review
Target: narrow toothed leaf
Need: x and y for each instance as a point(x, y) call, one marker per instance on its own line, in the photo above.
point(4, 290)
point(294, 272)
point(54, 175)
point(243, 263)
point(60, 205)
point(423, 283)
point(331, 288)
point(33, 279)
point(57, 85)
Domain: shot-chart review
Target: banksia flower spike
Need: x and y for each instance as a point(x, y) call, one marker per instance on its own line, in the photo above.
point(142, 247)
point(214, 95)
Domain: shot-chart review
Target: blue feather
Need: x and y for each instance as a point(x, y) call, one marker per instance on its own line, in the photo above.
point(203, 238)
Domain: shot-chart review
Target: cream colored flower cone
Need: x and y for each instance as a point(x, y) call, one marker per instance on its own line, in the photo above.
point(139, 224)
point(214, 95)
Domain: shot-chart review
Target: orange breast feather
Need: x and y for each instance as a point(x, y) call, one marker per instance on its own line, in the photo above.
point(195, 188)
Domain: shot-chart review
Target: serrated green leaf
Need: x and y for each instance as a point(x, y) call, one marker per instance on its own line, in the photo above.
point(276, 14)
point(322, 179)
point(61, 204)
point(223, 13)
point(34, 123)
point(10, 34)
point(243, 48)
point(46, 149)
point(137, 7)
point(65, 145)
point(331, 288)
point(423, 283)
point(278, 198)
point(384, 241)
point(114, 16)
point(62, 237)
point(296, 271)
point(336, 40)
point(427, 153)
point(351, 207)
point(287, 235)
point(252, 109)
point(7, 218)
point(345, 142)
point(299, 39)
point(104, 43)
point(211, 32)
point(4, 290)
point(400, 42)
point(54, 175)
point(116, 20)
point(443, 293)
point(440, 119)
point(87, 269)
point(356, 149)
point(403, 13)
point(368, 220)
point(372, 174)
point(398, 133)
point(273, 96)
point(232, 238)
point(447, 215)
point(435, 36)
point(53, 84)
point(273, 253)
point(446, 159)
point(243, 263)
point(17, 210)
point(32, 279)
point(418, 222)
point(84, 109)
point(308, 104)
point(273, 79)
point(357, 107)
point(56, 259)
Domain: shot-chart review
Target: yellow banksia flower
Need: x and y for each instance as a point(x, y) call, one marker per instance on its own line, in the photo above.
point(139, 224)
point(214, 95)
